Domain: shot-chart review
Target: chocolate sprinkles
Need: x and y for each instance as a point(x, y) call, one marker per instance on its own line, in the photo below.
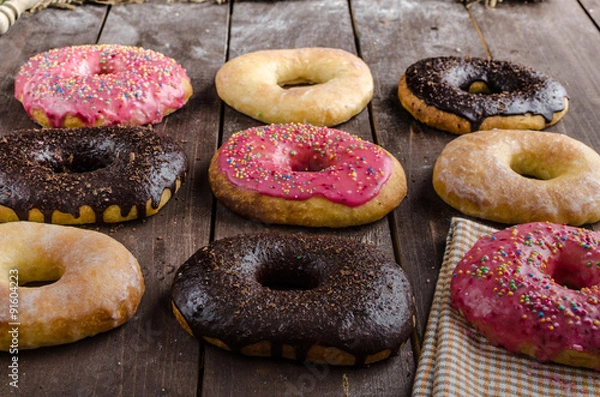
point(64, 169)
point(298, 291)
point(444, 83)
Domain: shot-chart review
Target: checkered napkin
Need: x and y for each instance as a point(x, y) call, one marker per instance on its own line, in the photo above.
point(458, 361)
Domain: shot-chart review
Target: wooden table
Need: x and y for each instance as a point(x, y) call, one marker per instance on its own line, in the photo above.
point(151, 355)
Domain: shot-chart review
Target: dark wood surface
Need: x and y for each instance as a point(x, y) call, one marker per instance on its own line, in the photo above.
point(151, 355)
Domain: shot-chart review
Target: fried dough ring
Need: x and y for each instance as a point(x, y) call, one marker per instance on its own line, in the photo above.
point(96, 284)
point(318, 86)
point(520, 176)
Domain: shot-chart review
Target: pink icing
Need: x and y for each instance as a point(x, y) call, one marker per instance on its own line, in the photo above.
point(297, 162)
point(120, 84)
point(533, 285)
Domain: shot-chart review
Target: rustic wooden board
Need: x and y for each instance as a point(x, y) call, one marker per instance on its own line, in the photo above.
point(592, 7)
point(30, 35)
point(151, 354)
point(286, 25)
point(195, 37)
point(392, 36)
point(557, 38)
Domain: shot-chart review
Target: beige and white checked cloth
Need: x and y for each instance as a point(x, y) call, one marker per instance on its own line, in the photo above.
point(458, 361)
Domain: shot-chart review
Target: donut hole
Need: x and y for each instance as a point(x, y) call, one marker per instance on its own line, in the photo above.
point(300, 160)
point(310, 164)
point(482, 87)
point(105, 66)
point(531, 167)
point(288, 79)
point(479, 87)
point(301, 76)
point(38, 283)
point(299, 82)
point(484, 82)
point(38, 275)
point(76, 161)
point(282, 276)
point(564, 274)
point(102, 72)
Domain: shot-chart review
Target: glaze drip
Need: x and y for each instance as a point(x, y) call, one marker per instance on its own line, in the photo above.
point(444, 83)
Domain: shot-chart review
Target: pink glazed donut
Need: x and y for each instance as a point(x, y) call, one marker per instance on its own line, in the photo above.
point(101, 85)
point(534, 289)
point(306, 175)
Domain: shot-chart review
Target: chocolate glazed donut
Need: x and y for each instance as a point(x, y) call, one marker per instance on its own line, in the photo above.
point(87, 175)
point(466, 94)
point(305, 298)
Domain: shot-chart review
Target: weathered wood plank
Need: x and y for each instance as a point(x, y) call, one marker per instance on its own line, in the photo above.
point(195, 36)
point(392, 36)
point(30, 35)
point(561, 40)
point(592, 7)
point(266, 25)
point(151, 354)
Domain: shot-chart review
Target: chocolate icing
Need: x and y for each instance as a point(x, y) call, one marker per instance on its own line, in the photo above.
point(444, 82)
point(340, 293)
point(64, 169)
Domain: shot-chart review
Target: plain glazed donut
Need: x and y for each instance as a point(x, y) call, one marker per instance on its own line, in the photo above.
point(305, 298)
point(92, 284)
point(519, 177)
point(306, 175)
point(319, 86)
point(534, 289)
point(462, 95)
point(101, 85)
point(87, 175)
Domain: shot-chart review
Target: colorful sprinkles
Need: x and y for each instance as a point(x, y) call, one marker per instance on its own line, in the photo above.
point(535, 285)
point(110, 83)
point(296, 161)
